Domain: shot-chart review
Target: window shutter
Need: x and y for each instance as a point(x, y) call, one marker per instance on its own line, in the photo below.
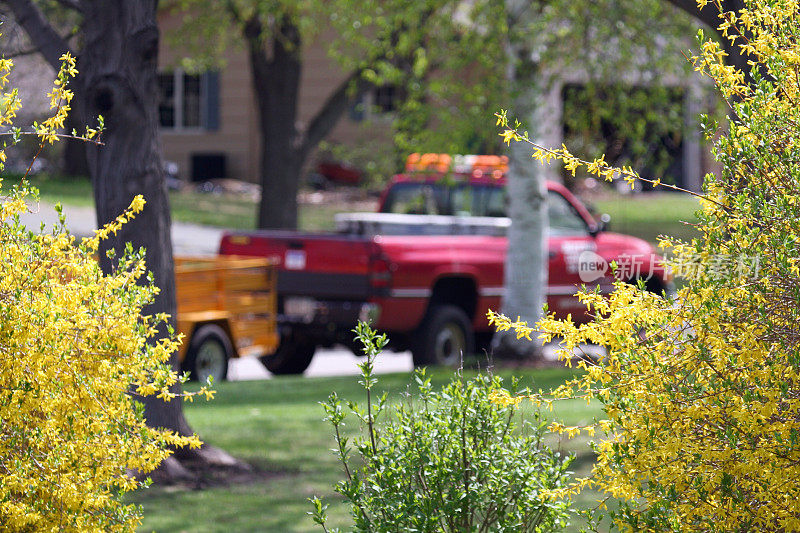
point(210, 81)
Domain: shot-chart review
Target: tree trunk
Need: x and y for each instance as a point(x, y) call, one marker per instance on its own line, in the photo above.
point(284, 148)
point(73, 159)
point(276, 84)
point(525, 283)
point(118, 81)
point(281, 161)
point(119, 72)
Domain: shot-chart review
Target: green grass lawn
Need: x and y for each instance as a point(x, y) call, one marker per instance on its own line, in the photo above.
point(277, 426)
point(649, 215)
point(221, 210)
point(77, 192)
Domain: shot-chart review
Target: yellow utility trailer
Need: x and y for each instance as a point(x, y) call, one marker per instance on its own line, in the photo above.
point(226, 308)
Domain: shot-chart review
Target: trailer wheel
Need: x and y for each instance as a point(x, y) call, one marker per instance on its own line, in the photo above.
point(292, 357)
point(208, 354)
point(443, 338)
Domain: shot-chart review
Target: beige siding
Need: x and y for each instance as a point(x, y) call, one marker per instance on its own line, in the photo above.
point(321, 76)
point(238, 135)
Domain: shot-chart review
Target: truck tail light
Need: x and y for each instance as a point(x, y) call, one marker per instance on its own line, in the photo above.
point(380, 273)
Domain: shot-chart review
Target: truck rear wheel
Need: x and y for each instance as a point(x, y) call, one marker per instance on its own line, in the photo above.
point(208, 354)
point(443, 338)
point(292, 357)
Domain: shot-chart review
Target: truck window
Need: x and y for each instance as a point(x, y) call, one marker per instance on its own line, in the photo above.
point(476, 200)
point(416, 199)
point(563, 218)
point(442, 199)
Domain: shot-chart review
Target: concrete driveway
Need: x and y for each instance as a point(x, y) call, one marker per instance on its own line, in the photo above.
point(326, 362)
point(187, 239)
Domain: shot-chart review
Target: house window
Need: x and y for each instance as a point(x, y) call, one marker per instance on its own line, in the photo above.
point(166, 100)
point(386, 98)
point(188, 101)
point(191, 101)
point(378, 102)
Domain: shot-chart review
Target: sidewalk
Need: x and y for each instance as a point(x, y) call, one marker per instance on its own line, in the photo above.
point(187, 239)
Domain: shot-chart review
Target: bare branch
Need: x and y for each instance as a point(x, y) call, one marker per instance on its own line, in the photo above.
point(30, 50)
point(71, 4)
point(234, 11)
point(709, 15)
point(21, 53)
point(334, 107)
point(43, 36)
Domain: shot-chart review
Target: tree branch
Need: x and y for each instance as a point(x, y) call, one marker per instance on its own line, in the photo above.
point(708, 15)
point(234, 11)
point(71, 4)
point(349, 91)
point(334, 107)
point(43, 36)
point(21, 53)
point(253, 30)
point(514, 14)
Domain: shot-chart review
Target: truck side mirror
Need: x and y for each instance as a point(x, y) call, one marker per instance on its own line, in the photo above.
point(601, 224)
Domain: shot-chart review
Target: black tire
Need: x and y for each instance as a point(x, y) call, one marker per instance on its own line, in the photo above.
point(292, 357)
point(208, 354)
point(444, 337)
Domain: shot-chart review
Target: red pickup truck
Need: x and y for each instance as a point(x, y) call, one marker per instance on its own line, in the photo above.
point(427, 267)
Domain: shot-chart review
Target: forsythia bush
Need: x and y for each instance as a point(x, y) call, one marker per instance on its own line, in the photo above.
point(73, 344)
point(702, 392)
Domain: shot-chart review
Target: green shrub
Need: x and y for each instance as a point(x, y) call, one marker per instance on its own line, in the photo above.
point(448, 460)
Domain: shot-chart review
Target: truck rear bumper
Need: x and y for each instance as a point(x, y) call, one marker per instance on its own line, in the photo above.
point(326, 320)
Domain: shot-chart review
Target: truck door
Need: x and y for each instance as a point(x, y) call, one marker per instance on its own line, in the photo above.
point(570, 245)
